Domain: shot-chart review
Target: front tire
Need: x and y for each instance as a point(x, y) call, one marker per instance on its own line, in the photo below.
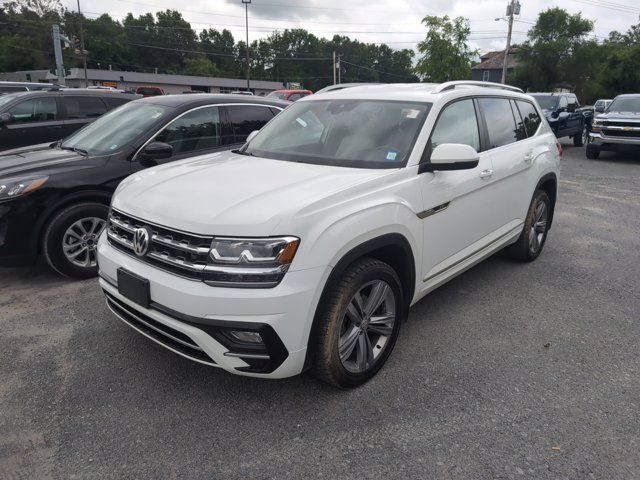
point(534, 233)
point(580, 140)
point(70, 239)
point(359, 324)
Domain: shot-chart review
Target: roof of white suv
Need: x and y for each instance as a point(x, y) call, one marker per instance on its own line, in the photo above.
point(426, 92)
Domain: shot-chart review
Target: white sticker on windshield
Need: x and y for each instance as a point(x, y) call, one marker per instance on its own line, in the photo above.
point(301, 122)
point(411, 113)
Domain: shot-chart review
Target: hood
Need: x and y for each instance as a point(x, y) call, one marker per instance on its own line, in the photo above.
point(619, 116)
point(37, 160)
point(232, 194)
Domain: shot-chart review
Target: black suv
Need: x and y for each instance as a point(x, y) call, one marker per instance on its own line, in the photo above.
point(28, 118)
point(565, 116)
point(54, 199)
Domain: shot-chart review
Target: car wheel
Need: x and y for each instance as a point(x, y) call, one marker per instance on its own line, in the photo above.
point(70, 239)
point(592, 152)
point(580, 140)
point(534, 233)
point(359, 324)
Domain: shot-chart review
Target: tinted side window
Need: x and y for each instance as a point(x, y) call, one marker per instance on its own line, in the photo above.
point(457, 124)
point(35, 110)
point(530, 117)
point(247, 118)
point(196, 130)
point(113, 102)
point(83, 107)
point(294, 96)
point(521, 131)
point(500, 123)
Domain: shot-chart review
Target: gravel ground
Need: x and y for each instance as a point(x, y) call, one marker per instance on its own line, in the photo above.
point(508, 371)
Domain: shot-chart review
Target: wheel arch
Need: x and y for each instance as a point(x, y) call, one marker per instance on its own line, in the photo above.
point(391, 248)
point(91, 195)
point(549, 184)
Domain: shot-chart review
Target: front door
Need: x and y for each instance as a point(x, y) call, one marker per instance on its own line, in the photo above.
point(33, 121)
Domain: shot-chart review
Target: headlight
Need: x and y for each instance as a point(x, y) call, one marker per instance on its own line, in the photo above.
point(596, 126)
point(15, 187)
point(249, 262)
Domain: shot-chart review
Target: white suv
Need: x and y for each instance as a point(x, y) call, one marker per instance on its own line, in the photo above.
point(305, 248)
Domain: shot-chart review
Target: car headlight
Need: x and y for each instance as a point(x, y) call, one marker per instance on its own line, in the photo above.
point(11, 188)
point(249, 262)
point(596, 126)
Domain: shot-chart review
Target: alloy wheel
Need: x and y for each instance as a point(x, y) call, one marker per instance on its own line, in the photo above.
point(538, 228)
point(80, 241)
point(367, 326)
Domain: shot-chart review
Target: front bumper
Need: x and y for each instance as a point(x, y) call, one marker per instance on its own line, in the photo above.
point(185, 313)
point(18, 220)
point(598, 139)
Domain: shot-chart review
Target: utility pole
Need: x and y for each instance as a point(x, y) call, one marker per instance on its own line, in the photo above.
point(334, 67)
point(82, 50)
point(57, 49)
point(338, 64)
point(511, 8)
point(246, 12)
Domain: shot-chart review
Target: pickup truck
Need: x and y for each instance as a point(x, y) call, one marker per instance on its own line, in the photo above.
point(565, 116)
point(618, 128)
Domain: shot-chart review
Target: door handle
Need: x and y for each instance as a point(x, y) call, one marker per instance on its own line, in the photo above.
point(486, 173)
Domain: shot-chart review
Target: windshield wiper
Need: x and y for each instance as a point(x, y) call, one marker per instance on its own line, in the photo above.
point(243, 152)
point(75, 149)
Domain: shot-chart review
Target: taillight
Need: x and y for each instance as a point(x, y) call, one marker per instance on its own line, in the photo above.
point(559, 149)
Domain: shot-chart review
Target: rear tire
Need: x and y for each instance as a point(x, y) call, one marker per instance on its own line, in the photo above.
point(70, 239)
point(359, 324)
point(534, 233)
point(592, 152)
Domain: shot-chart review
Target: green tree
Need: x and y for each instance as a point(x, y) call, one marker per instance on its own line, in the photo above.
point(446, 54)
point(200, 66)
point(556, 52)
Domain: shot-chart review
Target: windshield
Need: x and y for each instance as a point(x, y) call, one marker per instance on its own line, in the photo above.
point(349, 133)
point(116, 129)
point(625, 104)
point(279, 95)
point(546, 102)
point(4, 99)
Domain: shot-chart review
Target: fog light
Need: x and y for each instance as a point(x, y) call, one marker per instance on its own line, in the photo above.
point(246, 337)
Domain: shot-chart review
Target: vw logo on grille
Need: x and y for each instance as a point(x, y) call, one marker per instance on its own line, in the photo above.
point(141, 241)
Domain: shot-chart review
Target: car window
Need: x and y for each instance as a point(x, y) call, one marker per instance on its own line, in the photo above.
point(521, 131)
point(246, 118)
point(500, 122)
point(294, 96)
point(278, 95)
point(83, 107)
point(113, 102)
point(35, 110)
point(457, 124)
point(194, 131)
point(530, 117)
point(563, 102)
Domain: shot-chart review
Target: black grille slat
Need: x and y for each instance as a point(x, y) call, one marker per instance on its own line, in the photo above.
point(166, 335)
point(174, 251)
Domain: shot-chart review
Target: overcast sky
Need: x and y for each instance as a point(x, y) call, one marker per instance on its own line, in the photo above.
point(395, 22)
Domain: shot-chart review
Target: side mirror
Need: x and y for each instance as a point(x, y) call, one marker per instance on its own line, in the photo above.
point(5, 118)
point(251, 135)
point(451, 156)
point(154, 151)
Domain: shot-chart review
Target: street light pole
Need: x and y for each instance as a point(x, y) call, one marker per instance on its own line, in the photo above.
point(246, 11)
point(82, 50)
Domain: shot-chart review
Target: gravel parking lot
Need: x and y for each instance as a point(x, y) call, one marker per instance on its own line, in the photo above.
point(508, 371)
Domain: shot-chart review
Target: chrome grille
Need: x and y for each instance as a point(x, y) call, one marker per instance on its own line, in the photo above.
point(178, 252)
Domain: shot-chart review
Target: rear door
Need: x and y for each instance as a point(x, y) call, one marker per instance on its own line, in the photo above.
point(80, 110)
point(33, 120)
point(244, 119)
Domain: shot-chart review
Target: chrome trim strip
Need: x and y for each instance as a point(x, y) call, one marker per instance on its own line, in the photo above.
point(246, 271)
point(433, 211)
point(119, 239)
point(473, 254)
point(174, 261)
point(180, 246)
point(175, 339)
point(151, 224)
point(257, 356)
point(122, 225)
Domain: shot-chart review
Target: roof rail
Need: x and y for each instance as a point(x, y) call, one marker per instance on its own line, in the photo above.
point(462, 83)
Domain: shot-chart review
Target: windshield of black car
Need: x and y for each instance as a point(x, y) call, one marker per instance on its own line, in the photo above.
point(625, 104)
point(345, 132)
point(546, 102)
point(116, 129)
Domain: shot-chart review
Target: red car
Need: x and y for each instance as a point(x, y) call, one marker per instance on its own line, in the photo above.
point(291, 95)
point(149, 91)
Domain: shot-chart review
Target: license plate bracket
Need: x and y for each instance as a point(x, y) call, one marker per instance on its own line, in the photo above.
point(134, 287)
